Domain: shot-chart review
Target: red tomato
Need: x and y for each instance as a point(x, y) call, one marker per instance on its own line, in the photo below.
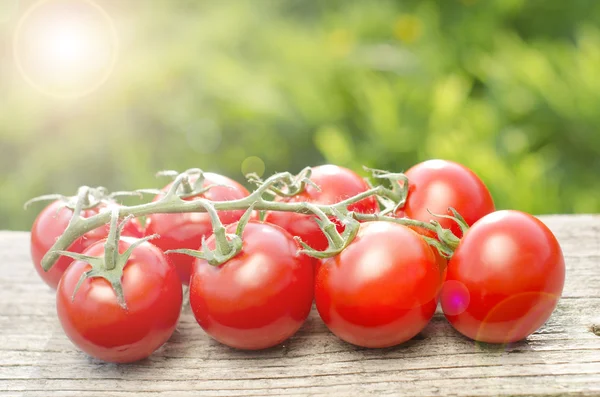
point(99, 326)
point(186, 230)
point(435, 185)
point(382, 289)
point(337, 184)
point(504, 279)
point(50, 225)
point(260, 297)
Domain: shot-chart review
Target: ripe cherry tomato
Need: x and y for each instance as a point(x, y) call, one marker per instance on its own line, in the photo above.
point(436, 185)
point(382, 289)
point(50, 225)
point(186, 230)
point(260, 297)
point(98, 325)
point(504, 279)
point(337, 184)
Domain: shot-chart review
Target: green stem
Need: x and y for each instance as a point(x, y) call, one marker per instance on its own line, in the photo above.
point(183, 181)
point(378, 190)
point(401, 221)
point(82, 202)
point(328, 227)
point(111, 246)
point(186, 186)
point(223, 245)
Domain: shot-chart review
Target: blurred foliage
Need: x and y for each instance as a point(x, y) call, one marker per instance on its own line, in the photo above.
point(510, 88)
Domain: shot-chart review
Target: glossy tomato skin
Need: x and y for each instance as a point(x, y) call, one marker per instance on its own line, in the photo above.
point(504, 279)
point(99, 326)
point(382, 289)
point(436, 185)
point(50, 225)
point(259, 298)
point(337, 184)
point(186, 230)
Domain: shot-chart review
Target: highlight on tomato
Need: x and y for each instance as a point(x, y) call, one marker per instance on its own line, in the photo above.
point(436, 185)
point(186, 230)
point(51, 223)
point(120, 329)
point(260, 297)
point(382, 289)
point(335, 184)
point(505, 278)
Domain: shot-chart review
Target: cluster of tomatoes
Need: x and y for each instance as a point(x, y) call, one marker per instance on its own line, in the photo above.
point(501, 283)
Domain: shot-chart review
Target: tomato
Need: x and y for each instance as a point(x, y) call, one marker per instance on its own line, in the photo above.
point(504, 279)
point(260, 297)
point(337, 184)
point(186, 230)
point(50, 225)
point(99, 326)
point(382, 289)
point(436, 185)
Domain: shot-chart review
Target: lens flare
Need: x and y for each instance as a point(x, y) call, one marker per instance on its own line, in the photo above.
point(455, 297)
point(65, 48)
point(253, 164)
point(517, 316)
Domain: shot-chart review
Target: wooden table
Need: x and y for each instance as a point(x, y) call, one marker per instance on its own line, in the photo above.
point(560, 359)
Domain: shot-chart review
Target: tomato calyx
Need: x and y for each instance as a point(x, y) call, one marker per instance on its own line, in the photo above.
point(191, 183)
point(109, 266)
point(287, 187)
point(445, 236)
point(442, 248)
point(397, 193)
point(446, 241)
point(337, 241)
point(227, 245)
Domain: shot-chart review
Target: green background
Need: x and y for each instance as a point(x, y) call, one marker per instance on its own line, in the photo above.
point(510, 88)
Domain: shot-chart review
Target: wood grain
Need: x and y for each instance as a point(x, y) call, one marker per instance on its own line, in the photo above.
point(560, 359)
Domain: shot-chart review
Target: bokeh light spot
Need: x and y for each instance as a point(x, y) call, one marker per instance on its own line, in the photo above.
point(455, 297)
point(408, 28)
point(253, 164)
point(65, 48)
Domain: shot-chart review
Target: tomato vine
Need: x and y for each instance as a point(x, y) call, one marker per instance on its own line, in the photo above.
point(284, 183)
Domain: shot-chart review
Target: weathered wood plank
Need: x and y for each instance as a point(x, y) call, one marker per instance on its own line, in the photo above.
point(562, 358)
